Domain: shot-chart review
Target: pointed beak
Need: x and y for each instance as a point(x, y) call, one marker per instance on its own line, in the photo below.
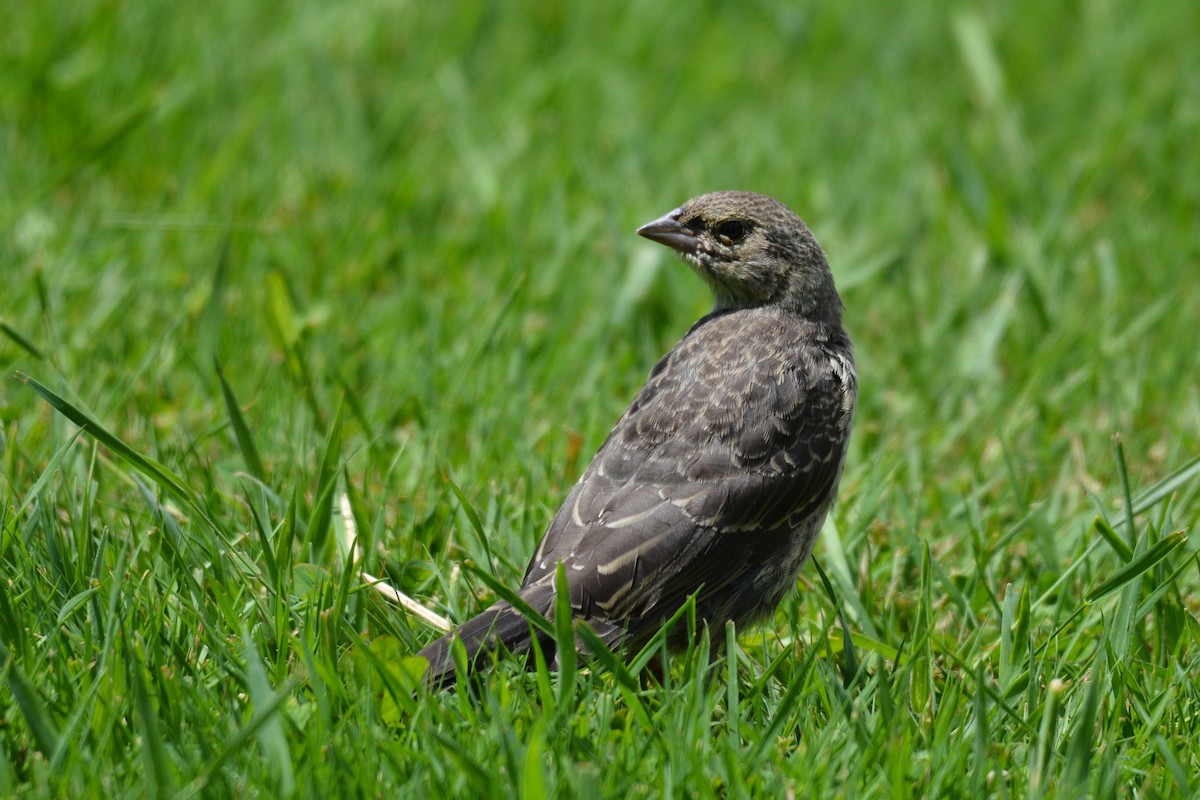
point(667, 230)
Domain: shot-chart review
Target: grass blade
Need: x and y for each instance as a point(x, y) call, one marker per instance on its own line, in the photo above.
point(1123, 550)
point(473, 518)
point(241, 431)
point(1140, 565)
point(1082, 747)
point(44, 478)
point(271, 738)
point(322, 515)
point(565, 635)
point(849, 658)
point(37, 716)
point(512, 598)
point(20, 341)
point(1164, 488)
point(158, 473)
point(154, 754)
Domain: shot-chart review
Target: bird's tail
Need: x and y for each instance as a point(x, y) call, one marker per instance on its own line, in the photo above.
point(499, 627)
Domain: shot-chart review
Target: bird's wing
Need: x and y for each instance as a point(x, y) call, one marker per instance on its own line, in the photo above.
point(736, 440)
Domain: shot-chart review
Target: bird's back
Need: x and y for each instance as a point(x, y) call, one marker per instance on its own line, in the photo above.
point(714, 481)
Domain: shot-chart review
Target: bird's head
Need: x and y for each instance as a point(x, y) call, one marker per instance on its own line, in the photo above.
point(752, 250)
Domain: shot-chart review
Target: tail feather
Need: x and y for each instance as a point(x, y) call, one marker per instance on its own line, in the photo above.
point(499, 627)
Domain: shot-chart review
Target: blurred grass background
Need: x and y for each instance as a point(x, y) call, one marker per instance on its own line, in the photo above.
point(423, 214)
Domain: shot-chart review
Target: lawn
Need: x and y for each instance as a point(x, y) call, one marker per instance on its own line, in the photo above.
point(275, 274)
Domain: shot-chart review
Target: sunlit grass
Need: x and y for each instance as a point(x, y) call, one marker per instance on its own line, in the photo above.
point(269, 257)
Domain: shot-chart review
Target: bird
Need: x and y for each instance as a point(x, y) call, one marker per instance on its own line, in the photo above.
point(717, 479)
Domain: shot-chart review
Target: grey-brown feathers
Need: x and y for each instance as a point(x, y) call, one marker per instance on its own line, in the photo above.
point(716, 480)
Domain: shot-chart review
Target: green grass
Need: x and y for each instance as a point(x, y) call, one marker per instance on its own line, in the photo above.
point(405, 230)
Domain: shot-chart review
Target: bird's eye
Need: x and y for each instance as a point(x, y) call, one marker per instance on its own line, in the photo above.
point(731, 230)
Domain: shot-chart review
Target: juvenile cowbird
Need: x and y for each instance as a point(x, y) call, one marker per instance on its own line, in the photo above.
point(716, 480)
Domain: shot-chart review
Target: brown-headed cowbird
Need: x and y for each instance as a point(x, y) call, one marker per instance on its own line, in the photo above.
point(717, 479)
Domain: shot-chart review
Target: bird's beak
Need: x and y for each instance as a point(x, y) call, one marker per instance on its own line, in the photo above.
point(667, 230)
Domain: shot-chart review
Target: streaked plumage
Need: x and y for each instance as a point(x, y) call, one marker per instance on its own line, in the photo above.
point(718, 477)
